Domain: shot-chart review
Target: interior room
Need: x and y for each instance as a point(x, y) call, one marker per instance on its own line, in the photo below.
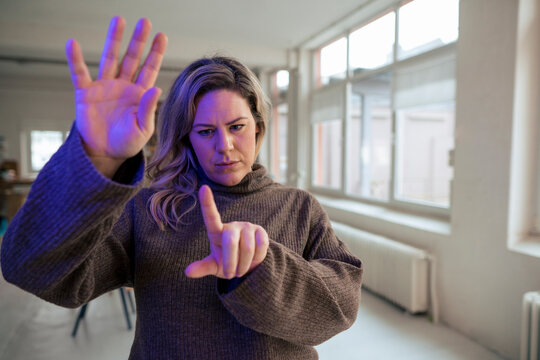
point(414, 123)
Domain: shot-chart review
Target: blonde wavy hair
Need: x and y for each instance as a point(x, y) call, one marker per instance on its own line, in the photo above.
point(173, 169)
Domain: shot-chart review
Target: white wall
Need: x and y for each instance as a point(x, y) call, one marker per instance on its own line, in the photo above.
point(482, 281)
point(25, 109)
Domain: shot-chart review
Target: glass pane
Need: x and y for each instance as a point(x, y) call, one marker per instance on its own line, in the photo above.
point(372, 45)
point(282, 79)
point(427, 24)
point(327, 142)
point(354, 146)
point(369, 138)
point(426, 136)
point(278, 131)
point(279, 143)
point(43, 144)
point(333, 62)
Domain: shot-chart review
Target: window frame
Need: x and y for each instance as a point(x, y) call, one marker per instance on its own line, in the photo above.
point(428, 208)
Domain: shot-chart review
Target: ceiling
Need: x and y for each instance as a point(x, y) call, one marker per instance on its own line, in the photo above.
point(257, 31)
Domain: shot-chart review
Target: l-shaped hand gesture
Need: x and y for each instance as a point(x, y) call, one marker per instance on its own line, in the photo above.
point(236, 248)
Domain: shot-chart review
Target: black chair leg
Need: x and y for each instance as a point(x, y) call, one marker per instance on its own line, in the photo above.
point(126, 312)
point(131, 303)
point(82, 312)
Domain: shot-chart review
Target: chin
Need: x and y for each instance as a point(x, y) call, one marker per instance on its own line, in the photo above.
point(230, 182)
point(227, 180)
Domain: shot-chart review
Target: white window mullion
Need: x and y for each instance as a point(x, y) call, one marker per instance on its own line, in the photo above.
point(394, 160)
point(536, 213)
point(345, 128)
point(346, 119)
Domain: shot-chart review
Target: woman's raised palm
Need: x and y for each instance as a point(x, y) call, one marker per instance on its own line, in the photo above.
point(115, 113)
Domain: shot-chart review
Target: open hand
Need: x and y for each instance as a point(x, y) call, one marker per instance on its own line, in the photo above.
point(115, 113)
point(236, 248)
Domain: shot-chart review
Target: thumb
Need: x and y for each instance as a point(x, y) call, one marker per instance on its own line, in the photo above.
point(147, 109)
point(204, 267)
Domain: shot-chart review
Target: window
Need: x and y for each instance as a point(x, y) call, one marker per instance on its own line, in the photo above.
point(332, 62)
point(369, 138)
point(377, 36)
point(424, 107)
point(427, 24)
point(327, 118)
point(327, 154)
point(426, 138)
point(383, 118)
point(279, 125)
point(43, 144)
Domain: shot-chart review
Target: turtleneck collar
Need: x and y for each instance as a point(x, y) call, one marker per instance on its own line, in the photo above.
point(255, 180)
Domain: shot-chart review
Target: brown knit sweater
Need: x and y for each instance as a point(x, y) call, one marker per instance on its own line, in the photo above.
point(80, 235)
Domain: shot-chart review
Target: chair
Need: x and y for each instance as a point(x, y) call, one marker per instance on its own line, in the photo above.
point(82, 311)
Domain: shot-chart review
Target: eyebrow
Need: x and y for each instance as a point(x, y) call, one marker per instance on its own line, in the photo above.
point(229, 123)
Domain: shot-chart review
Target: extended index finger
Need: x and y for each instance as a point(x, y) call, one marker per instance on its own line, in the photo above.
point(210, 213)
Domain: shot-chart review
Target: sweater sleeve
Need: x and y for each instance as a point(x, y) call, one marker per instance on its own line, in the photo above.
point(304, 299)
point(71, 240)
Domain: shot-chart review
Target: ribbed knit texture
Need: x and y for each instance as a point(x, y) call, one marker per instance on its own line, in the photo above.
point(80, 235)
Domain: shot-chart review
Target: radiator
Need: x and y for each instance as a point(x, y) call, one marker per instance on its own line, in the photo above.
point(530, 326)
point(393, 270)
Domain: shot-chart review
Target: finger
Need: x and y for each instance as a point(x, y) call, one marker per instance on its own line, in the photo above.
point(150, 69)
point(133, 55)
point(109, 58)
point(204, 267)
point(229, 244)
point(261, 238)
point(210, 213)
point(246, 251)
point(147, 110)
point(80, 76)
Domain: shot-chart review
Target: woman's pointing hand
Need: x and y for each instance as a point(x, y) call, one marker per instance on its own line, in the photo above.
point(236, 248)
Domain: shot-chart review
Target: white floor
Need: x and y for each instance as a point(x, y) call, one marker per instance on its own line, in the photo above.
point(382, 331)
point(31, 329)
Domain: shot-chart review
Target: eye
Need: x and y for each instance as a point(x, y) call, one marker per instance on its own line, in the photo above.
point(205, 132)
point(237, 127)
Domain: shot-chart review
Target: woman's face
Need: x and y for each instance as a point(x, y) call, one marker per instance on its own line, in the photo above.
point(223, 136)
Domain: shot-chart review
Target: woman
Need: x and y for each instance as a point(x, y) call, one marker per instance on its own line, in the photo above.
point(253, 272)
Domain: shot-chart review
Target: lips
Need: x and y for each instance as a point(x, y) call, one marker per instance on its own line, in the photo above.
point(226, 164)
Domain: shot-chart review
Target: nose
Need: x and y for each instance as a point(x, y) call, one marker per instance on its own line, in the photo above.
point(224, 142)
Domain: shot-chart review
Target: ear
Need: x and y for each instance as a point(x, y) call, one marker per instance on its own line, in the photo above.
point(257, 129)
